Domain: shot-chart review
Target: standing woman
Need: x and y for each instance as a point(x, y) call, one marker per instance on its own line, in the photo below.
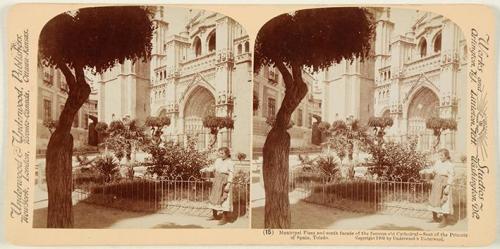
point(220, 199)
point(440, 199)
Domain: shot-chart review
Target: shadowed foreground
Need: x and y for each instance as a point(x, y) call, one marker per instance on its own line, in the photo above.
point(93, 216)
point(312, 216)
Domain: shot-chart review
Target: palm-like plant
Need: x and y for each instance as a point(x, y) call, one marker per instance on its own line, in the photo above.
point(107, 166)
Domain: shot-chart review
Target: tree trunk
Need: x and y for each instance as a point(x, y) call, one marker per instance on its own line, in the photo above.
point(58, 172)
point(212, 141)
point(277, 149)
point(60, 151)
point(438, 140)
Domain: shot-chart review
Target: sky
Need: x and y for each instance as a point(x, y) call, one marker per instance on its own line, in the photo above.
point(177, 19)
point(403, 19)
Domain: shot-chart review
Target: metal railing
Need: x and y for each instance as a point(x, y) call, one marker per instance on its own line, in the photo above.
point(407, 198)
point(165, 195)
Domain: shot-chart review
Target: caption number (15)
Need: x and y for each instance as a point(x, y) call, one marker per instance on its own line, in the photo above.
point(267, 232)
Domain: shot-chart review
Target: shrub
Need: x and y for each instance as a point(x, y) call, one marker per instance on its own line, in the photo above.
point(125, 137)
point(171, 160)
point(102, 132)
point(101, 127)
point(305, 178)
point(351, 190)
point(241, 156)
point(137, 189)
point(396, 160)
point(241, 191)
point(84, 178)
point(344, 135)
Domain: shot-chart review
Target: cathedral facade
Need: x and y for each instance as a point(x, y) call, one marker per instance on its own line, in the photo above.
point(412, 75)
point(202, 69)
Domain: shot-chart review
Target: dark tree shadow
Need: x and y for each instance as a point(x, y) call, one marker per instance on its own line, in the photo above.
point(301, 213)
point(88, 216)
point(312, 216)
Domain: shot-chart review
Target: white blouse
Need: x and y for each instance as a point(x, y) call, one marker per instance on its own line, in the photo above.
point(441, 168)
point(222, 166)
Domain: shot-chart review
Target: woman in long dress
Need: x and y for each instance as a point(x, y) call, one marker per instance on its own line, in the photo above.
point(440, 199)
point(220, 199)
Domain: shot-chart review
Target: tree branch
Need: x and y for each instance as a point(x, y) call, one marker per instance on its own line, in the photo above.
point(80, 75)
point(70, 79)
point(287, 77)
point(300, 87)
point(297, 72)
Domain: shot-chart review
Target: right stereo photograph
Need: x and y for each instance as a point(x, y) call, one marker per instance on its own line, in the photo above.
point(359, 121)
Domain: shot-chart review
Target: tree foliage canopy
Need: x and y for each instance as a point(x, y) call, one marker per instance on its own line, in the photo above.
point(213, 122)
point(97, 38)
point(440, 124)
point(380, 122)
point(314, 38)
point(156, 122)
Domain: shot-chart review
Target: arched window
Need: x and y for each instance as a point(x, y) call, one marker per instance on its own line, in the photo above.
point(211, 42)
point(247, 47)
point(437, 43)
point(197, 46)
point(423, 47)
point(240, 48)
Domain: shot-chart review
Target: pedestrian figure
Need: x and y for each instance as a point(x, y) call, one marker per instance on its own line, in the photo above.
point(440, 199)
point(220, 199)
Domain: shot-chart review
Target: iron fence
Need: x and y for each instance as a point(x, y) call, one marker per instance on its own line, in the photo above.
point(394, 196)
point(165, 195)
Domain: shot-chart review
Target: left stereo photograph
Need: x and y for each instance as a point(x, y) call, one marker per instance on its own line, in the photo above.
point(143, 119)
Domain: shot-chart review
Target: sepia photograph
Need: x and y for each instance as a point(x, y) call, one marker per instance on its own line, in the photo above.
point(143, 119)
point(360, 121)
point(250, 124)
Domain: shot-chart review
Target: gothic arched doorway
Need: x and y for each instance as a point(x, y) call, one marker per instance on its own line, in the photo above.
point(424, 104)
point(199, 104)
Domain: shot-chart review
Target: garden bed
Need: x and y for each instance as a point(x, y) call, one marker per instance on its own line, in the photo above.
point(152, 195)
